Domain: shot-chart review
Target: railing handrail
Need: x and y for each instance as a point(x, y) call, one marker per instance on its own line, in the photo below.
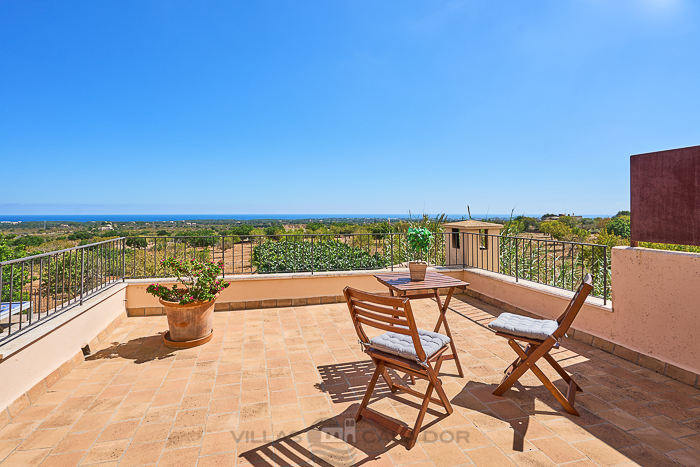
point(51, 253)
point(357, 234)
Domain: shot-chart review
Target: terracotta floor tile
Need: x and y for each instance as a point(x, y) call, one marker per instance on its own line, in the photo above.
point(186, 457)
point(214, 443)
point(558, 450)
point(26, 458)
point(510, 441)
point(601, 453)
point(140, 454)
point(621, 419)
point(7, 446)
point(69, 459)
point(647, 456)
point(686, 457)
point(76, 442)
point(130, 412)
point(62, 419)
point(532, 458)
point(254, 411)
point(489, 457)
point(104, 452)
point(18, 430)
point(222, 422)
point(193, 417)
point(43, 439)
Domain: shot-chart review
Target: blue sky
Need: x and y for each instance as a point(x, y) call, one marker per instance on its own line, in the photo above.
point(340, 106)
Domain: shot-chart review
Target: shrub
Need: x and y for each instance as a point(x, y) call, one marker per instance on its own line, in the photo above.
point(81, 235)
point(314, 226)
point(162, 233)
point(556, 229)
point(201, 239)
point(29, 240)
point(619, 226)
point(419, 240)
point(197, 281)
point(136, 242)
point(300, 255)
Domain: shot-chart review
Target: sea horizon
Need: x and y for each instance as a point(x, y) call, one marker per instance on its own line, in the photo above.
point(242, 217)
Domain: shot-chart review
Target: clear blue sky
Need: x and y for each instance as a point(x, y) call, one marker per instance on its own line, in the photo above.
point(340, 106)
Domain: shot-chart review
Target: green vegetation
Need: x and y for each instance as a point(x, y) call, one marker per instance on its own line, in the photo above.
point(198, 281)
point(419, 240)
point(619, 226)
point(300, 255)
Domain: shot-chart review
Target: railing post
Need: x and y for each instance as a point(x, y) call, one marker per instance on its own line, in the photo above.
point(391, 246)
point(605, 275)
point(223, 258)
point(516, 259)
point(313, 252)
point(82, 273)
point(123, 259)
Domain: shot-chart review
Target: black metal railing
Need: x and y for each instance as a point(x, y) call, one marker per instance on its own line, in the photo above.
point(551, 262)
point(556, 263)
point(35, 288)
point(38, 287)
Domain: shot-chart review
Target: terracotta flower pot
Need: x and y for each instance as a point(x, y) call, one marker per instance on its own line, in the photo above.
point(417, 270)
point(191, 323)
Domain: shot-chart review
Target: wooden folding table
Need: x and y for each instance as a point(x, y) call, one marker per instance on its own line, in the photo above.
point(400, 284)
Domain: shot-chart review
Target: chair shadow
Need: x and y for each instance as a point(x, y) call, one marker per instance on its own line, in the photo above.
point(141, 350)
point(324, 443)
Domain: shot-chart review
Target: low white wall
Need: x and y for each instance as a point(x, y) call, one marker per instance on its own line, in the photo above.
point(31, 357)
point(656, 297)
point(655, 307)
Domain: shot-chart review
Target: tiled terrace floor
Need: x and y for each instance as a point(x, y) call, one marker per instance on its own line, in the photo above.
point(273, 380)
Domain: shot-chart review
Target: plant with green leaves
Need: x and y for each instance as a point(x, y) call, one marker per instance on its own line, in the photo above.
point(419, 240)
point(198, 281)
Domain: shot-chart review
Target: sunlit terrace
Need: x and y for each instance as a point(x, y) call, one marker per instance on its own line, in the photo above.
point(276, 387)
point(87, 378)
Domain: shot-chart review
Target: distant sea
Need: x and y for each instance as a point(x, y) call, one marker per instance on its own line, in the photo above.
point(189, 217)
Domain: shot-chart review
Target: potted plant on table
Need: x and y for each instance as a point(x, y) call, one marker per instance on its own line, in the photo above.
point(189, 304)
point(419, 240)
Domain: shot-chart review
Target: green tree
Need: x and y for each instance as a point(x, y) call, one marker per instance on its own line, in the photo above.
point(623, 213)
point(619, 226)
point(29, 240)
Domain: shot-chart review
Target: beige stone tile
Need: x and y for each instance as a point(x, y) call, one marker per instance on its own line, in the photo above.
point(600, 452)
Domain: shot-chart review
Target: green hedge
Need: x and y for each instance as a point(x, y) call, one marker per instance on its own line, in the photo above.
point(331, 255)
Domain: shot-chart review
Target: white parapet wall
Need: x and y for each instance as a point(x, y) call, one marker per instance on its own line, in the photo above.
point(38, 358)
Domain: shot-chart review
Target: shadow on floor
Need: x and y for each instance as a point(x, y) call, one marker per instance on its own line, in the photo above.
point(141, 350)
point(328, 443)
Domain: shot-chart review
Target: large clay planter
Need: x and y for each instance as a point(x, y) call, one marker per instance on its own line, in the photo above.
point(190, 325)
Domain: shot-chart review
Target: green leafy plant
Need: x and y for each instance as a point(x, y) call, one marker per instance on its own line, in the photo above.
point(325, 254)
point(419, 240)
point(198, 281)
point(619, 226)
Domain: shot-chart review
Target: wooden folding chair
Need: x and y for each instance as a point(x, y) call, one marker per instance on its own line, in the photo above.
point(541, 336)
point(403, 347)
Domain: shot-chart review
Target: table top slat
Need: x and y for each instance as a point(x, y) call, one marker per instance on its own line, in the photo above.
point(433, 280)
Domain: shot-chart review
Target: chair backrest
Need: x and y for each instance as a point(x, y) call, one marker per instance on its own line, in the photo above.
point(567, 318)
point(391, 314)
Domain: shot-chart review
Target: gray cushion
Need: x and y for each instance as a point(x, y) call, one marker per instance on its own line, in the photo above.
point(509, 323)
point(402, 345)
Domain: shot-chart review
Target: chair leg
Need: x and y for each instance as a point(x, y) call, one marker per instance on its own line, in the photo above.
point(529, 362)
point(370, 389)
point(388, 380)
point(421, 416)
point(562, 372)
point(518, 371)
point(438, 388)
